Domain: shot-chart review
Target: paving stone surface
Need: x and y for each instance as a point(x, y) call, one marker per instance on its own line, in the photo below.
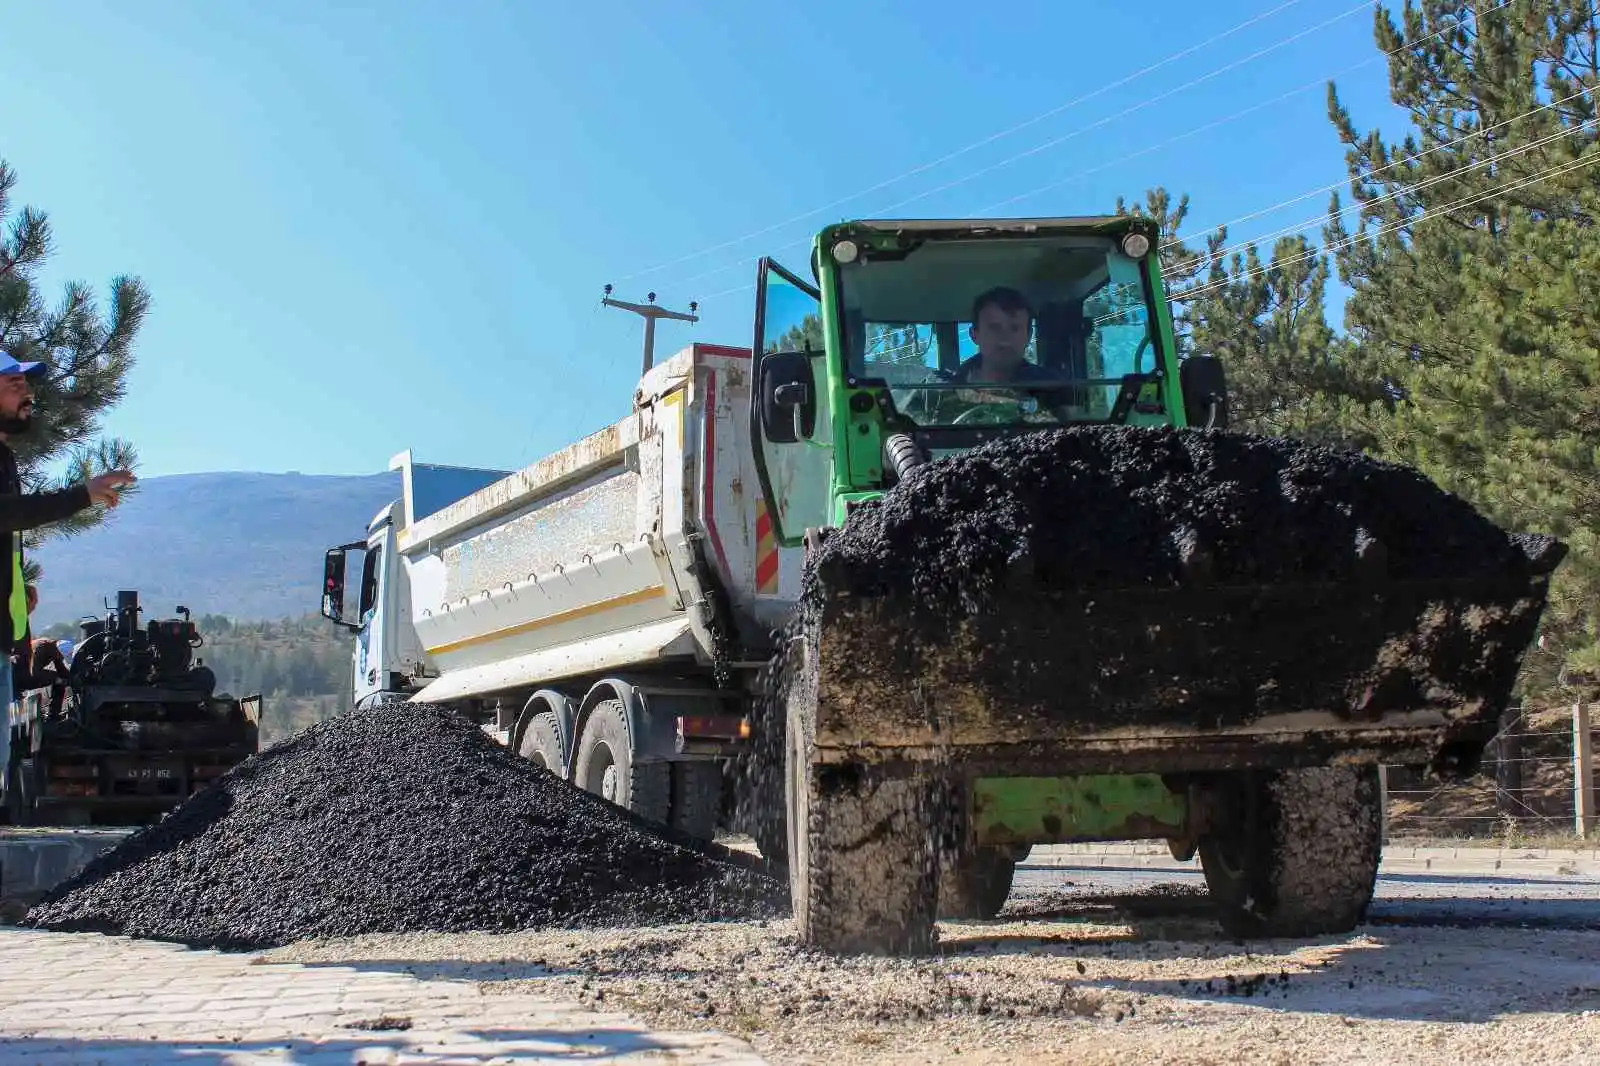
point(71, 999)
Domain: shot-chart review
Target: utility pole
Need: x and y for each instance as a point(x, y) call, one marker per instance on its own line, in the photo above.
point(650, 312)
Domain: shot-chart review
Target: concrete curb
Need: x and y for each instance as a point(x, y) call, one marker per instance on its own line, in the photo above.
point(1397, 859)
point(33, 861)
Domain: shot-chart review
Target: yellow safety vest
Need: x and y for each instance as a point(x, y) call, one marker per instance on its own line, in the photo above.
point(19, 591)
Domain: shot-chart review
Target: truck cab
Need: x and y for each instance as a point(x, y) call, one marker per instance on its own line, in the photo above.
point(388, 660)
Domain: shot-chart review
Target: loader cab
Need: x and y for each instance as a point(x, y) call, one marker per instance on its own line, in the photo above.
point(370, 597)
point(883, 349)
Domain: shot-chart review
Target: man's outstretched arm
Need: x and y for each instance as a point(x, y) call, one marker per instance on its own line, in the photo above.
point(21, 510)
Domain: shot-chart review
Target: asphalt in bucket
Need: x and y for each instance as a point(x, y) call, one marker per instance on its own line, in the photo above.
point(403, 818)
point(1127, 507)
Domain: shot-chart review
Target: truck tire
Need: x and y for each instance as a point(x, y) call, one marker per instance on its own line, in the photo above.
point(604, 766)
point(862, 871)
point(541, 744)
point(1297, 854)
point(975, 882)
point(696, 798)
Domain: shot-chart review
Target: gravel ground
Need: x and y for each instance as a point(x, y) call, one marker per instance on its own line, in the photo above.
point(1094, 967)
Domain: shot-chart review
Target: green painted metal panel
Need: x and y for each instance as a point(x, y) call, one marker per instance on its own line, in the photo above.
point(1061, 810)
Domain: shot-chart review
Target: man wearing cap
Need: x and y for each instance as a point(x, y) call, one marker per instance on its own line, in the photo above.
point(20, 511)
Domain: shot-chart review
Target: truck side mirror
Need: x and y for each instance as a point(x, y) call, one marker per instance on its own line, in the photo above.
point(788, 391)
point(1205, 392)
point(333, 585)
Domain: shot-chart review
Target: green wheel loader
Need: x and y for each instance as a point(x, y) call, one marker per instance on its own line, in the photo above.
point(909, 765)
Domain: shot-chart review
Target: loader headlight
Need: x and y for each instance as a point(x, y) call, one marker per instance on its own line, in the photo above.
point(845, 252)
point(1135, 245)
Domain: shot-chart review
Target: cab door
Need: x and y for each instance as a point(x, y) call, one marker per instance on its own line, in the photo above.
point(791, 411)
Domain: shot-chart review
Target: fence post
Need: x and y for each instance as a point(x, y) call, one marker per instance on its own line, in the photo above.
point(1582, 771)
point(1508, 763)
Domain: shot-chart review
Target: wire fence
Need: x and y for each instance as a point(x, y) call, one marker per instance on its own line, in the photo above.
point(1537, 782)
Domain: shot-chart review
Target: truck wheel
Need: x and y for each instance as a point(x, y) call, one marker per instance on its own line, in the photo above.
point(975, 882)
point(1298, 854)
point(696, 798)
point(541, 744)
point(604, 765)
point(862, 869)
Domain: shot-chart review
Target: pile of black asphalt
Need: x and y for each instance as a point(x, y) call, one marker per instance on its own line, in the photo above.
point(402, 818)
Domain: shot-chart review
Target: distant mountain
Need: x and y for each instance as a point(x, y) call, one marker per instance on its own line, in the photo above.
point(244, 545)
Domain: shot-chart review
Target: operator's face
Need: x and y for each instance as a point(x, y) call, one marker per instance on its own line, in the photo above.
point(16, 403)
point(1001, 335)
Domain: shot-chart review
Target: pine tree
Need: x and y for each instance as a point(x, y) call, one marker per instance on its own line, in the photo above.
point(88, 354)
point(1472, 267)
point(1288, 375)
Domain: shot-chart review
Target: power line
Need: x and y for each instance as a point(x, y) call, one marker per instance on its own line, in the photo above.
point(1054, 142)
point(968, 148)
point(1424, 184)
point(1426, 214)
point(1212, 125)
point(1232, 118)
point(1407, 159)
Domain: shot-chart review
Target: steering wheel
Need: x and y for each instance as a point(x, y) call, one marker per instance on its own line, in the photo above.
point(988, 413)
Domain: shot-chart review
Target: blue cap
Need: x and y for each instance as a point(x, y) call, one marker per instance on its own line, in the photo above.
point(9, 365)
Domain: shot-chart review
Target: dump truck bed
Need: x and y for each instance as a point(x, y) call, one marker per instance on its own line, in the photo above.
point(632, 548)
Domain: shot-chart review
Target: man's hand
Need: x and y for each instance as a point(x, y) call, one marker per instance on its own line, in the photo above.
point(107, 488)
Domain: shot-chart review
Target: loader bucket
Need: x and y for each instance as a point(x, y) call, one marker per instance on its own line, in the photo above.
point(1138, 680)
point(1129, 600)
point(1189, 606)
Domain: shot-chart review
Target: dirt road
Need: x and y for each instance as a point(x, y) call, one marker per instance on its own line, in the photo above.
point(1460, 963)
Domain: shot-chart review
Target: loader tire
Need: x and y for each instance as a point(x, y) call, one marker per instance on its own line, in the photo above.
point(975, 883)
point(862, 868)
point(604, 765)
point(1298, 853)
point(696, 798)
point(541, 743)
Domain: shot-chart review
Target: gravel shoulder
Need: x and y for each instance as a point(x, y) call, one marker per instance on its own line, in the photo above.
point(1087, 966)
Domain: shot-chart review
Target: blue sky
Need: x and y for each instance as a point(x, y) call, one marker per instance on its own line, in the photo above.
point(370, 227)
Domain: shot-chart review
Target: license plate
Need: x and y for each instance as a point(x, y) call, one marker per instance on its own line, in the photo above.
point(146, 773)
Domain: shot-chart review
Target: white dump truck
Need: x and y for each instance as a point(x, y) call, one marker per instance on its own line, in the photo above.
point(582, 607)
